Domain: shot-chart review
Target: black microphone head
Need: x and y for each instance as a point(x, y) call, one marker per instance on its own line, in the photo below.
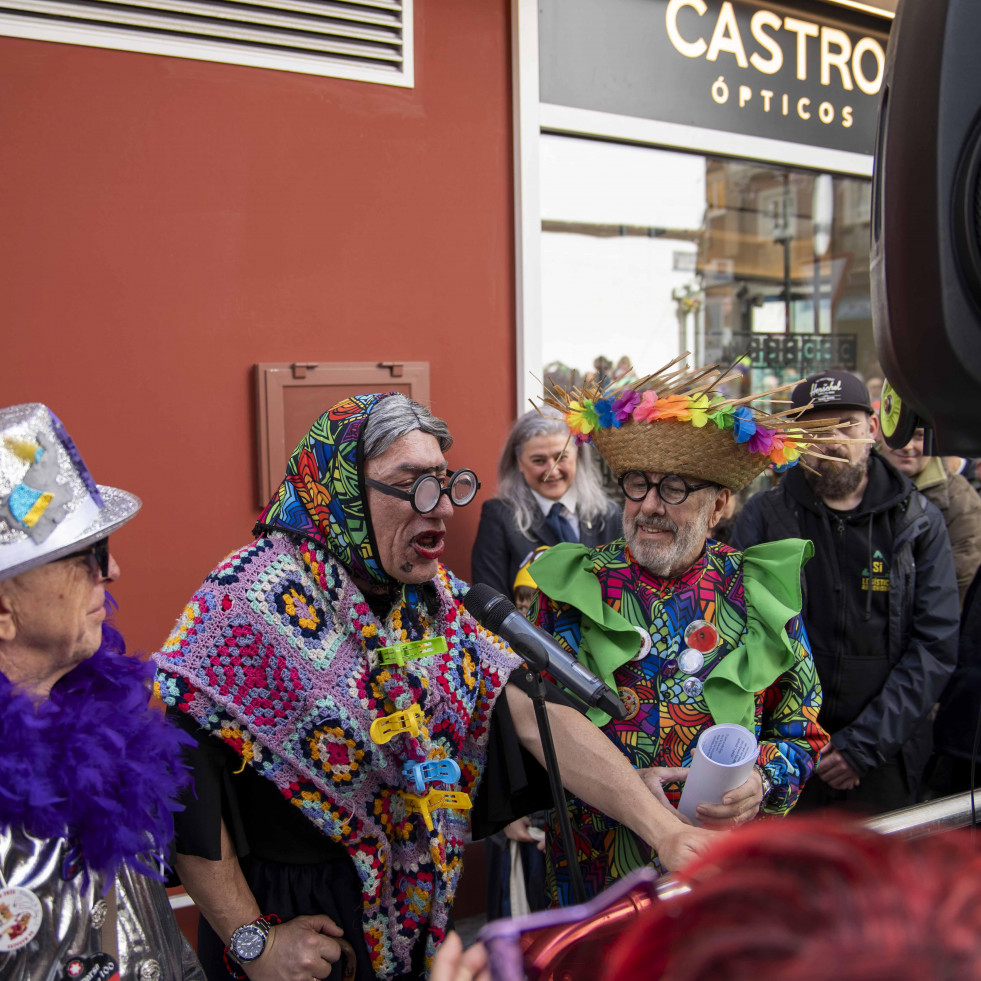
point(610, 703)
point(487, 606)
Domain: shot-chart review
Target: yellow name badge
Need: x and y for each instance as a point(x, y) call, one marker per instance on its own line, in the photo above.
point(455, 800)
point(388, 726)
point(412, 650)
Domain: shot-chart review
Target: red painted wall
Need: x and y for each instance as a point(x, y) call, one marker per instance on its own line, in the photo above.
point(168, 223)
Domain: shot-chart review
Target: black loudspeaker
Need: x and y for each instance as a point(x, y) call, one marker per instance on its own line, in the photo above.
point(926, 218)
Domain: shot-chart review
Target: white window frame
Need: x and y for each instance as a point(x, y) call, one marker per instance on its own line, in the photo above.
point(224, 52)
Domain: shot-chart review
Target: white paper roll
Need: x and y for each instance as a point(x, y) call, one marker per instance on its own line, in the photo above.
point(722, 759)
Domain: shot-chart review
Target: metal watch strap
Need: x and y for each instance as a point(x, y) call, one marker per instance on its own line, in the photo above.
point(232, 957)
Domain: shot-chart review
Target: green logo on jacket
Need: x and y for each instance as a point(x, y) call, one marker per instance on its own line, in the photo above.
point(880, 574)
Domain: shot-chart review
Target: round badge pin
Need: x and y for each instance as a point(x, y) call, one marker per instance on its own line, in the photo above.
point(645, 644)
point(690, 661)
point(701, 636)
point(692, 688)
point(630, 702)
point(20, 917)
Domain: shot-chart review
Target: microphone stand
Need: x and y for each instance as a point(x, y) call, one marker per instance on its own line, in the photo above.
point(555, 782)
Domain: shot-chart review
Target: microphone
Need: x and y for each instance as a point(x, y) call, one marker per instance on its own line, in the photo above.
point(499, 615)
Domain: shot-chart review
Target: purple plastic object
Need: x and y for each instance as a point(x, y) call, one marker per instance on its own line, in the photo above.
point(524, 947)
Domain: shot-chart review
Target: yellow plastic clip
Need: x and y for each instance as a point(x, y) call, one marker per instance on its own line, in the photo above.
point(389, 726)
point(454, 799)
point(412, 650)
point(419, 805)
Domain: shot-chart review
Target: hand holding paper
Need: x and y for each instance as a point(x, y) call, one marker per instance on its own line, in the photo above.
point(739, 806)
point(722, 770)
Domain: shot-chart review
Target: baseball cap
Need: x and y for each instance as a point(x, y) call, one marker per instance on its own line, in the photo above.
point(837, 389)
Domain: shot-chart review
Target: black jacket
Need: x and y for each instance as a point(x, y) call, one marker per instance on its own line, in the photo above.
point(956, 725)
point(499, 548)
point(885, 653)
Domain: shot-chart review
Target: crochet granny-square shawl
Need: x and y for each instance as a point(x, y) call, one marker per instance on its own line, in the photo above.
point(276, 654)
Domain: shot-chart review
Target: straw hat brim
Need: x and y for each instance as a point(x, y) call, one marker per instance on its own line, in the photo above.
point(706, 452)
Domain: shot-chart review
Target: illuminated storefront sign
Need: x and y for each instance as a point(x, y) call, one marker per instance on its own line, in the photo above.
point(800, 72)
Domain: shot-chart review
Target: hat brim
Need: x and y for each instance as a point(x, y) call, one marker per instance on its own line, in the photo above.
point(119, 506)
point(830, 407)
point(705, 453)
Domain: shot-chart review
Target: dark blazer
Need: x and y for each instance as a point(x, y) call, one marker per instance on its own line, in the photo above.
point(499, 548)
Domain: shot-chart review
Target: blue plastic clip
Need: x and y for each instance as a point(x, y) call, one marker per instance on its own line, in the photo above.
point(431, 771)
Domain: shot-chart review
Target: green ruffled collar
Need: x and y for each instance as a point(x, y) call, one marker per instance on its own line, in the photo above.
point(772, 585)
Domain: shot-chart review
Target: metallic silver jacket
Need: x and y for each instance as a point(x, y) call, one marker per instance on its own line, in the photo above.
point(150, 945)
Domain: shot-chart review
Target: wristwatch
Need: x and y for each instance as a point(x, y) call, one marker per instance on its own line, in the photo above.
point(767, 783)
point(249, 941)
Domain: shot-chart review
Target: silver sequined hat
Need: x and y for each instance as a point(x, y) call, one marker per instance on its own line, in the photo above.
point(49, 504)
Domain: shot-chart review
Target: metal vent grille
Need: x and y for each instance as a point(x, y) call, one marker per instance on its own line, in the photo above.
point(369, 40)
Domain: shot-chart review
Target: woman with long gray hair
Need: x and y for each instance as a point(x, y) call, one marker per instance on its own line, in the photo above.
point(548, 491)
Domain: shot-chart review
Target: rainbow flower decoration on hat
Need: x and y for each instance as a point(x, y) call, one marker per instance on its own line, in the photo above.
point(678, 421)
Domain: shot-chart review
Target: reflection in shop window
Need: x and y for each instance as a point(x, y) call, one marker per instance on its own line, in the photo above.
point(647, 253)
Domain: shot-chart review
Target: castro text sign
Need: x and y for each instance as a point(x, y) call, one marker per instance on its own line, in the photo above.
point(803, 73)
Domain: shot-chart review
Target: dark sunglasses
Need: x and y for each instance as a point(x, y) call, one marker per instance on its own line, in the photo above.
point(98, 551)
point(424, 495)
point(671, 488)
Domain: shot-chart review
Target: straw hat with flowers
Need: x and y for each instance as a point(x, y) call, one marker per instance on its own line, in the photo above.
point(677, 421)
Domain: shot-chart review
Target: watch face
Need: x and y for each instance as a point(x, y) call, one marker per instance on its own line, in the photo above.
point(248, 942)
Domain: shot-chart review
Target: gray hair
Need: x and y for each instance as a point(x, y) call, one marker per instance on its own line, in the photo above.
point(397, 416)
point(591, 502)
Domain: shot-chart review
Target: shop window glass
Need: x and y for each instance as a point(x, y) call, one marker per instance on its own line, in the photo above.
point(647, 253)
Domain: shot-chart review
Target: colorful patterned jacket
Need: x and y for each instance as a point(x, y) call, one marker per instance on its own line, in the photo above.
point(667, 707)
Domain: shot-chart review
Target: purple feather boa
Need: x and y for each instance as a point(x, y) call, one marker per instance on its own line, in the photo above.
point(94, 762)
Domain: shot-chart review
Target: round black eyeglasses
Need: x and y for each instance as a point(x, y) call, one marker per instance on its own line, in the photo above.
point(424, 495)
point(671, 488)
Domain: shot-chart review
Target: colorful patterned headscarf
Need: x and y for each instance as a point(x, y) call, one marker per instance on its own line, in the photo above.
point(323, 496)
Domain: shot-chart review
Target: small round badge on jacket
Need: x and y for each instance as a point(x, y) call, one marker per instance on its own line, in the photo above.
point(691, 661)
point(630, 702)
point(702, 636)
point(645, 644)
point(20, 917)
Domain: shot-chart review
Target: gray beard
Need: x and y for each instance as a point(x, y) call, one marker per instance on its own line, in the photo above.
point(668, 560)
point(835, 481)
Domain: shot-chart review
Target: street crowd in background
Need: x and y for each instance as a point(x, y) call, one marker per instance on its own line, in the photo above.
point(346, 723)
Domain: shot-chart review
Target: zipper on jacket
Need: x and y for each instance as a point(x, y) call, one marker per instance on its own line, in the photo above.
point(838, 526)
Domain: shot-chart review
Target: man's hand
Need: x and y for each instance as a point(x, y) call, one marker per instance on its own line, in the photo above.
point(298, 950)
point(738, 806)
point(677, 849)
point(835, 771)
point(655, 777)
point(453, 963)
point(520, 831)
